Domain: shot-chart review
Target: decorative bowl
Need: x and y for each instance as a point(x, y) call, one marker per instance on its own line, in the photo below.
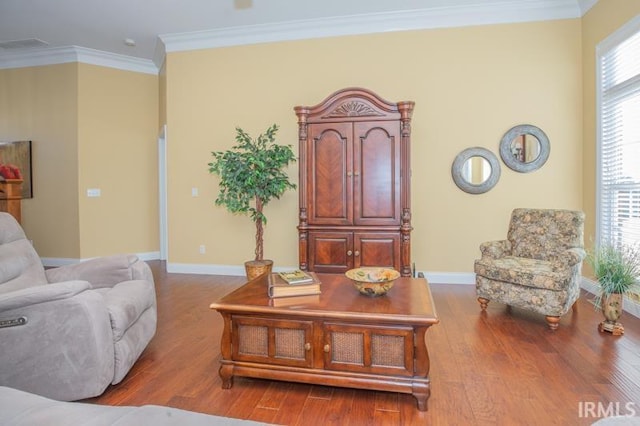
point(373, 281)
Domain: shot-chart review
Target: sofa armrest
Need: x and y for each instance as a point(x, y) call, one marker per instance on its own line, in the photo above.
point(102, 271)
point(40, 294)
point(495, 249)
point(65, 332)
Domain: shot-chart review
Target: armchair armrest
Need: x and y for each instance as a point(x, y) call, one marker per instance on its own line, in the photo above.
point(495, 249)
point(568, 258)
point(103, 271)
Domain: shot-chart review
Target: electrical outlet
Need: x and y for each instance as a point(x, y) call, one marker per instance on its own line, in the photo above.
point(203, 249)
point(194, 192)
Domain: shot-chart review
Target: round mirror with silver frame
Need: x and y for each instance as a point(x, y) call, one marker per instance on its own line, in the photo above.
point(524, 148)
point(475, 170)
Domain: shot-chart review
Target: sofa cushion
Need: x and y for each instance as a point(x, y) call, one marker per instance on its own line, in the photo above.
point(20, 266)
point(10, 229)
point(18, 408)
point(125, 302)
point(26, 409)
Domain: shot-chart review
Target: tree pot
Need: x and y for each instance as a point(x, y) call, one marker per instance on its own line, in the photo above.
point(255, 268)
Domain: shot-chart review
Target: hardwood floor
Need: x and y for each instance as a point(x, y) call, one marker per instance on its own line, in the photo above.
point(502, 367)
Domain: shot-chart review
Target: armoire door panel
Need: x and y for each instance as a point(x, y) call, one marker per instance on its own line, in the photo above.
point(376, 173)
point(330, 252)
point(377, 249)
point(330, 174)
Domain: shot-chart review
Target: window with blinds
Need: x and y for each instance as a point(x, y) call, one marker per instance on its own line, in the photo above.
point(618, 89)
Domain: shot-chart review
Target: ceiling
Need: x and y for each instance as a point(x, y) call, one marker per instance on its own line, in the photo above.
point(140, 29)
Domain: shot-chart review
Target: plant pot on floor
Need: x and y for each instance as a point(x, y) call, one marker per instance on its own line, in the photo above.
point(612, 310)
point(255, 268)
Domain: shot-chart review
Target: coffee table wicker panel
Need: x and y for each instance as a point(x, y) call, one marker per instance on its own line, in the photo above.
point(272, 340)
point(369, 349)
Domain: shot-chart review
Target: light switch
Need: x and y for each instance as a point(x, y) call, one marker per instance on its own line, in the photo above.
point(93, 192)
point(194, 192)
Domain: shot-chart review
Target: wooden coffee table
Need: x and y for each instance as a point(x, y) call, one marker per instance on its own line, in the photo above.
point(338, 338)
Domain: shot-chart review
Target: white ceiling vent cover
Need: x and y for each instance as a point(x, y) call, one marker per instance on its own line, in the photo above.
point(27, 43)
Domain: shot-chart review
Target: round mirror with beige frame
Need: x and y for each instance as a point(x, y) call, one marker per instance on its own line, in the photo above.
point(524, 148)
point(475, 170)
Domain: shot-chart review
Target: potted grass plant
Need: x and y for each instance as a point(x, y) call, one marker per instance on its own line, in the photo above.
point(252, 173)
point(617, 273)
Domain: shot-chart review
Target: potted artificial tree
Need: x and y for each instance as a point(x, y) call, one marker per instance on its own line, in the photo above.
point(617, 271)
point(252, 174)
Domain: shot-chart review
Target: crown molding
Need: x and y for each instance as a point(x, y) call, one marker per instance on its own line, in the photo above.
point(586, 5)
point(440, 17)
point(66, 54)
point(485, 13)
point(114, 60)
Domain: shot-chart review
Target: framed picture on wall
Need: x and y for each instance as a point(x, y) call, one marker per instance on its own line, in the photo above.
point(19, 154)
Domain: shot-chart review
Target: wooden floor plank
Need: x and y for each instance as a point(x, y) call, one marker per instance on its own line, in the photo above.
point(499, 367)
point(295, 397)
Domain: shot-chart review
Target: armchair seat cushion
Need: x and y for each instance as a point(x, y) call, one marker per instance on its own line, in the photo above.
point(523, 271)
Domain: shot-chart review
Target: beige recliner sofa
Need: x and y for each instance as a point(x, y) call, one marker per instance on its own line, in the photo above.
point(67, 333)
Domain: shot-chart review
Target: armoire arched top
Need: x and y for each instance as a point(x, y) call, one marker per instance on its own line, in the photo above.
point(354, 104)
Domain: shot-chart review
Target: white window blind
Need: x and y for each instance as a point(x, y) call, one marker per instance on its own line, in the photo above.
point(619, 138)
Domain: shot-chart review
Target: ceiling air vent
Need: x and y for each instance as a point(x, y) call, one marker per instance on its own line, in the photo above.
point(28, 43)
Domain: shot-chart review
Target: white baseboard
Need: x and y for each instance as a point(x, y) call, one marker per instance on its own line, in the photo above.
point(205, 269)
point(464, 278)
point(61, 261)
point(435, 278)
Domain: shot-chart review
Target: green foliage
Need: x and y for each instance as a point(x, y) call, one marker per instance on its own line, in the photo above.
point(616, 269)
point(251, 175)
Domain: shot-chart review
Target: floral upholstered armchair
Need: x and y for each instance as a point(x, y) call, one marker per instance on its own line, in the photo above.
point(538, 266)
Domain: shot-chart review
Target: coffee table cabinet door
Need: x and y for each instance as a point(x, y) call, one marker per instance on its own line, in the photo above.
point(272, 341)
point(369, 349)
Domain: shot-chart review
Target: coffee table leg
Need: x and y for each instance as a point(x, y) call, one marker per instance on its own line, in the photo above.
point(226, 374)
point(421, 392)
point(226, 370)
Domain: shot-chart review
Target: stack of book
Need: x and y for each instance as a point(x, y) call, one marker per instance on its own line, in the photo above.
point(293, 283)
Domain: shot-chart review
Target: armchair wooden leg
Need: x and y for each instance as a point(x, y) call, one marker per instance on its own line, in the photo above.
point(552, 322)
point(483, 302)
point(574, 307)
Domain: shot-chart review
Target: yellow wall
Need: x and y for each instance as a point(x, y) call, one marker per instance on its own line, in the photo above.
point(41, 104)
point(470, 86)
point(97, 127)
point(600, 22)
point(91, 127)
point(117, 134)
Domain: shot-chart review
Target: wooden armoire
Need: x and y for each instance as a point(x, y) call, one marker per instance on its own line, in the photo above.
point(354, 183)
